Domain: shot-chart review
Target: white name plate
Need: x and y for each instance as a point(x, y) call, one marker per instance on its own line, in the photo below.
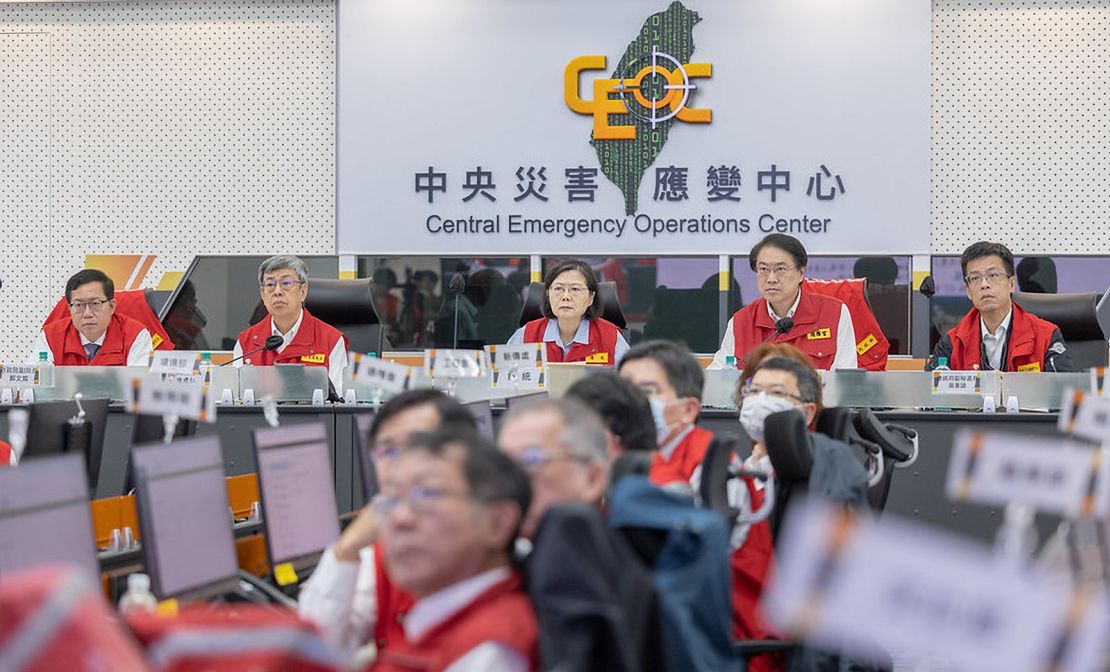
point(154, 396)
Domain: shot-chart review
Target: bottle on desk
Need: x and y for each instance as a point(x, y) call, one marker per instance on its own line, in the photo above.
point(942, 364)
point(138, 597)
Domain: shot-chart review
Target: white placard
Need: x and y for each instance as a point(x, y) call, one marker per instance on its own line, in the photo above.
point(528, 378)
point(996, 468)
point(516, 356)
point(170, 361)
point(19, 374)
point(957, 382)
point(906, 588)
point(441, 363)
point(154, 396)
point(1085, 415)
point(754, 136)
point(389, 377)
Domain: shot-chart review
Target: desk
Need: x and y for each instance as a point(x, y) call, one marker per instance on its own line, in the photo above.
point(916, 492)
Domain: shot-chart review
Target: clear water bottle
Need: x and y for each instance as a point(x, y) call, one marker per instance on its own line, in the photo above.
point(730, 362)
point(138, 597)
point(206, 366)
point(46, 370)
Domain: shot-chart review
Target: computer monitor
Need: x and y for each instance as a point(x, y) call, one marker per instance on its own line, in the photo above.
point(297, 490)
point(49, 432)
point(187, 539)
point(483, 417)
point(45, 517)
point(366, 485)
point(524, 400)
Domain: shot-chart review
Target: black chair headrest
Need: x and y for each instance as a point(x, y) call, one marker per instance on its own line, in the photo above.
point(1074, 314)
point(895, 445)
point(715, 473)
point(834, 422)
point(342, 302)
point(788, 444)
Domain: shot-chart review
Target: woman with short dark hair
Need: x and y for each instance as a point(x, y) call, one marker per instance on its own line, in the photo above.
point(572, 326)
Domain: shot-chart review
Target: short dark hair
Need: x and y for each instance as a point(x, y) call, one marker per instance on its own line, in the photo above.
point(594, 310)
point(680, 366)
point(453, 416)
point(623, 408)
point(88, 275)
point(809, 383)
point(491, 475)
point(788, 244)
point(985, 249)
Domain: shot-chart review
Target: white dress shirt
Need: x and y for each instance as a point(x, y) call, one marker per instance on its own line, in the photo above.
point(341, 598)
point(995, 343)
point(337, 359)
point(138, 355)
point(551, 334)
point(845, 357)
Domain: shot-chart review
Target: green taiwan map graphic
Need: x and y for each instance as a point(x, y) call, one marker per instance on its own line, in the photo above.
point(624, 162)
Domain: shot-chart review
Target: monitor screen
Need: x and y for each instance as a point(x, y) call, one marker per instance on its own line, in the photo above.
point(187, 539)
point(297, 486)
point(45, 517)
point(367, 483)
point(218, 297)
point(483, 416)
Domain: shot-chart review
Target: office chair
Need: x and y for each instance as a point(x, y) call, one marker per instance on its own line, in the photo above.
point(1076, 316)
point(610, 305)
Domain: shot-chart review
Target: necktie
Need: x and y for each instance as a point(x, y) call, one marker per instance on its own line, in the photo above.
point(90, 350)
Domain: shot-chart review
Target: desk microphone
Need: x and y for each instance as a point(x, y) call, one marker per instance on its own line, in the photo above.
point(272, 343)
point(781, 327)
point(456, 286)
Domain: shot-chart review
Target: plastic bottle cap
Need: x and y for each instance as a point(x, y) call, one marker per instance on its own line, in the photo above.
point(42, 356)
point(942, 361)
point(729, 359)
point(138, 582)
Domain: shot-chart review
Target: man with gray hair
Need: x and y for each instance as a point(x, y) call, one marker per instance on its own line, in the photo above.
point(283, 284)
point(562, 445)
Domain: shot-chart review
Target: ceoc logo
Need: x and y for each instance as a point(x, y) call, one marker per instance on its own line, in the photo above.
point(654, 94)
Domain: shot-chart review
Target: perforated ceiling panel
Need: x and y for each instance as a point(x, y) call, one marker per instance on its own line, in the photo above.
point(1021, 125)
point(171, 128)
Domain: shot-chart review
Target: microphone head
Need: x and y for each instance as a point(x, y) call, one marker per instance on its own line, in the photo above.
point(457, 283)
point(784, 325)
point(273, 342)
point(928, 287)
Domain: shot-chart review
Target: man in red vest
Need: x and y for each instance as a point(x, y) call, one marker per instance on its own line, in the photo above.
point(786, 312)
point(283, 284)
point(349, 597)
point(94, 335)
point(450, 510)
point(997, 333)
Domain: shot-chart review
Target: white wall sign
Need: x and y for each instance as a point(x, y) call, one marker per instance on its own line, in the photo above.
point(624, 126)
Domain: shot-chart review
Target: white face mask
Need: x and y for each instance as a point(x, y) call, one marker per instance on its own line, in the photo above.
point(755, 409)
point(658, 415)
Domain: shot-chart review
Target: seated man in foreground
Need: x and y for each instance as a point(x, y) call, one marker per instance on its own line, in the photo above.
point(998, 334)
point(94, 335)
point(450, 510)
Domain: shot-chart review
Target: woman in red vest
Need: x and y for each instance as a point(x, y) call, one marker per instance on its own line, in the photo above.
point(572, 326)
point(819, 326)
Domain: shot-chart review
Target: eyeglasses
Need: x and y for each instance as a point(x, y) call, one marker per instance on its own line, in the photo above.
point(782, 393)
point(385, 450)
point(286, 285)
point(778, 271)
point(534, 458)
point(78, 307)
point(420, 499)
point(574, 290)
point(991, 278)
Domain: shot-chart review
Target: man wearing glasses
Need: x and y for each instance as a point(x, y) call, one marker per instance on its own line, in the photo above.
point(95, 335)
point(997, 333)
point(819, 326)
point(283, 284)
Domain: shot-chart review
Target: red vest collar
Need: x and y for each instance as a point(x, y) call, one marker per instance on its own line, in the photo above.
point(113, 339)
point(806, 313)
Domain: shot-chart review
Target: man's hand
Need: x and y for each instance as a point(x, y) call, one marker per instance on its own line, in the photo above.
point(362, 532)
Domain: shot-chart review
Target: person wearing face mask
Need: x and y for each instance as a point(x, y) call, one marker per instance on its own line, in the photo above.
point(672, 380)
point(572, 326)
point(778, 384)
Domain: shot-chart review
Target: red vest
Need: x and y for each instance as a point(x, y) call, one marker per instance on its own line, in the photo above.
point(393, 604)
point(814, 332)
point(600, 350)
point(1026, 346)
point(502, 614)
point(687, 457)
point(5, 454)
point(750, 564)
point(872, 348)
point(65, 342)
point(311, 346)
